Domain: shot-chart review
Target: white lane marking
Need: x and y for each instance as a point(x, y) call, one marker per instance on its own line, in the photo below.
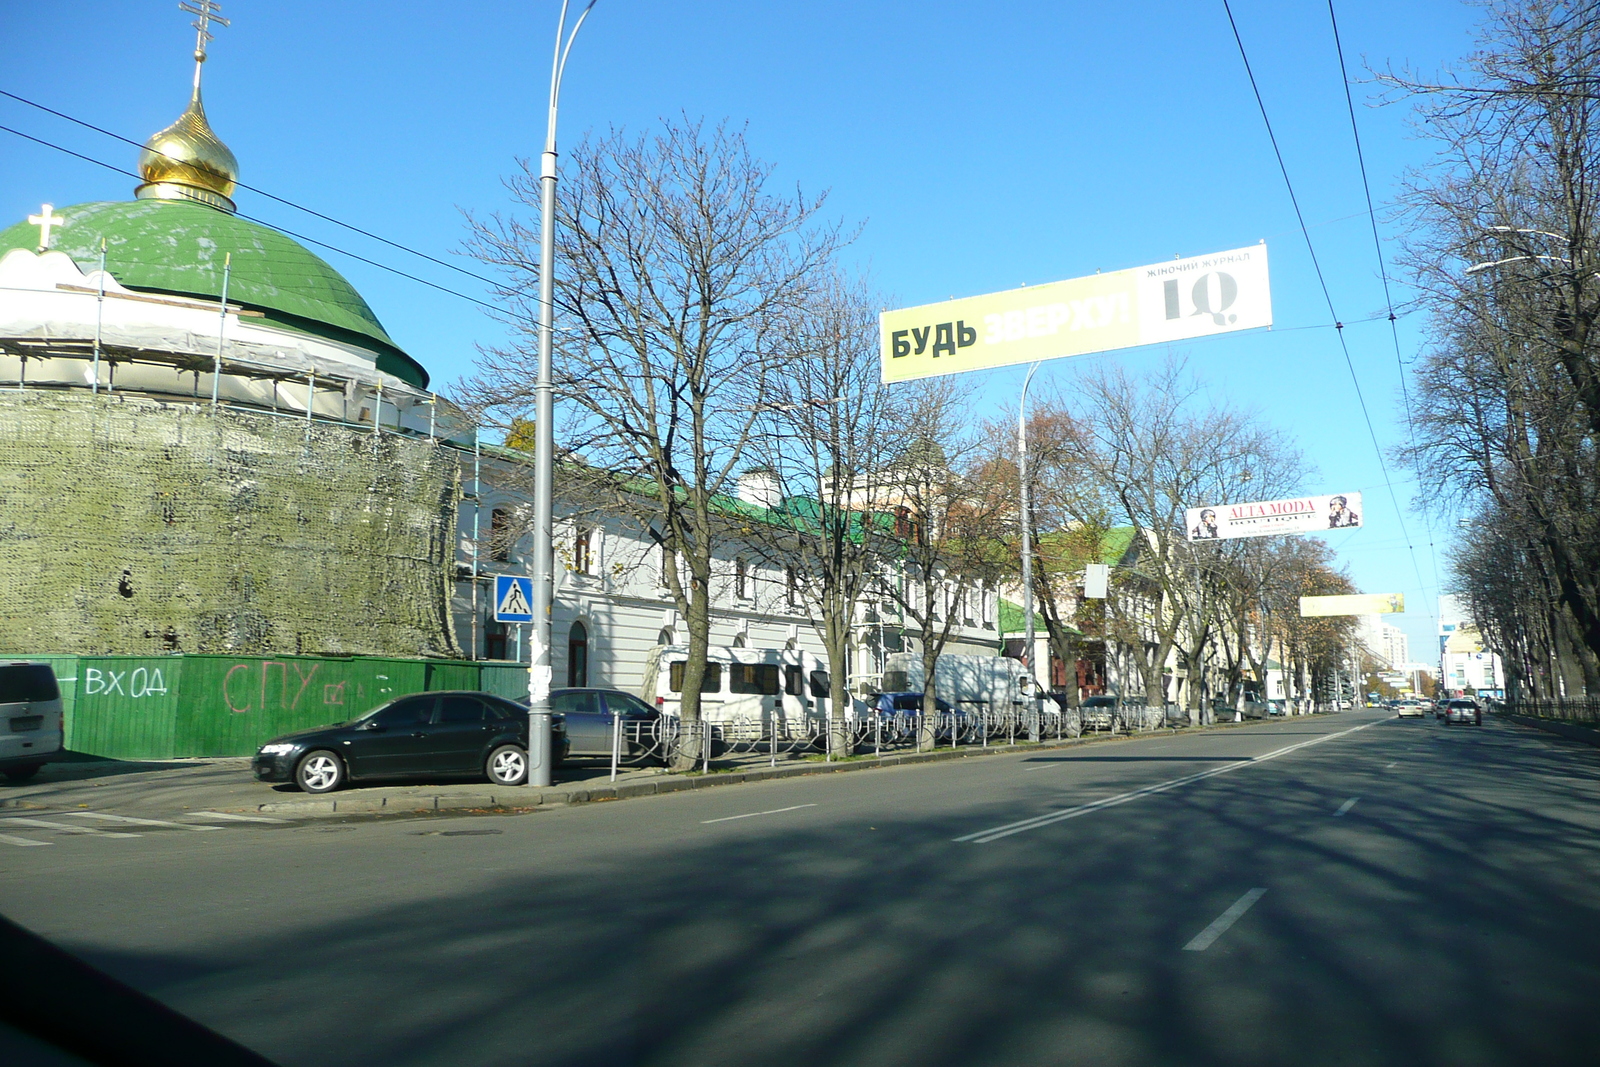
point(994, 833)
point(130, 820)
point(20, 842)
point(753, 814)
point(228, 816)
point(1390, 766)
point(1346, 806)
point(64, 827)
point(1220, 924)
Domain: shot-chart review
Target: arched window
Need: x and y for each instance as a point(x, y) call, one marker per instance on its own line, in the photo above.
point(740, 641)
point(665, 636)
point(578, 655)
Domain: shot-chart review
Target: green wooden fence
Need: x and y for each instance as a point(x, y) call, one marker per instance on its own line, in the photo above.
point(161, 707)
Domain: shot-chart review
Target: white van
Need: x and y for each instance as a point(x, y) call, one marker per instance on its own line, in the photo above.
point(748, 686)
point(971, 683)
point(30, 718)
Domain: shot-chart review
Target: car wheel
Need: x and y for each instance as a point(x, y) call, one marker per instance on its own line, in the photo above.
point(507, 765)
point(319, 772)
point(22, 774)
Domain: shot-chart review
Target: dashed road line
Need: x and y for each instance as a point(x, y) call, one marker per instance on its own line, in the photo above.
point(995, 833)
point(753, 814)
point(1219, 926)
point(1346, 806)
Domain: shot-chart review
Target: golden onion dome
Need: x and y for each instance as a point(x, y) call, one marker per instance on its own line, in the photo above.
point(186, 161)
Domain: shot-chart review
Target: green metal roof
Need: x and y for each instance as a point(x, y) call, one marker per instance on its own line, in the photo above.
point(177, 247)
point(1013, 621)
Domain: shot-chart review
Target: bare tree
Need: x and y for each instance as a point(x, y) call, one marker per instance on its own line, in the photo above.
point(944, 509)
point(827, 436)
point(1505, 249)
point(1156, 447)
point(678, 274)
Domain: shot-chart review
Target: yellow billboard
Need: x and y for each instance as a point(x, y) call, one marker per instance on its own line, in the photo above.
point(1356, 604)
point(1171, 301)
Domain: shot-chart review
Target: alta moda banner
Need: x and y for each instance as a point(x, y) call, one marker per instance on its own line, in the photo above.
point(1306, 514)
point(1171, 301)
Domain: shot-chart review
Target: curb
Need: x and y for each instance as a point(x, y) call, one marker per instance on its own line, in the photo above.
point(1588, 735)
point(523, 799)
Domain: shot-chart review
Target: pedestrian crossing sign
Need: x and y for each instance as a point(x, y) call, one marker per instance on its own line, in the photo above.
point(513, 598)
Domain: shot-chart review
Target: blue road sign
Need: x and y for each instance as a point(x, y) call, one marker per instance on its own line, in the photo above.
point(513, 598)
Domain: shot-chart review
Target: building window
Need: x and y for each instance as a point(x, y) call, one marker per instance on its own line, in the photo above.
point(662, 570)
point(578, 655)
point(741, 579)
point(791, 587)
point(500, 537)
point(494, 640)
point(580, 552)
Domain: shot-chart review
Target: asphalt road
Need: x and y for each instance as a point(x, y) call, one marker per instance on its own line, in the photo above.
point(1380, 891)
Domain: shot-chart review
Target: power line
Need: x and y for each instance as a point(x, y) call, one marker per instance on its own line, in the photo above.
point(495, 308)
point(1323, 282)
point(1383, 274)
point(250, 188)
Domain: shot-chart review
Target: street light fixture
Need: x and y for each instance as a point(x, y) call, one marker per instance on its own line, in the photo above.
point(539, 672)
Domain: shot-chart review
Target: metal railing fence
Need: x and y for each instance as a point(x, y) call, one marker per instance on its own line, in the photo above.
point(1583, 711)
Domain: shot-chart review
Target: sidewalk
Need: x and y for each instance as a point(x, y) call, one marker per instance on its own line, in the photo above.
point(173, 787)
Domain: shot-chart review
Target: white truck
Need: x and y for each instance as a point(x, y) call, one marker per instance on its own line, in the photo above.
point(971, 683)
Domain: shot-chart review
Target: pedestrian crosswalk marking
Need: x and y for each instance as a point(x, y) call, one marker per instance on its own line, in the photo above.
point(130, 820)
point(20, 842)
point(63, 827)
point(229, 816)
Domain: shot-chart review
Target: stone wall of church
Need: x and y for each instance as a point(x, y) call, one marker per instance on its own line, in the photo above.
point(132, 526)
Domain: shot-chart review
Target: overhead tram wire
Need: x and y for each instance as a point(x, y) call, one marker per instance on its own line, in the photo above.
point(250, 188)
point(1383, 273)
point(497, 309)
point(1327, 295)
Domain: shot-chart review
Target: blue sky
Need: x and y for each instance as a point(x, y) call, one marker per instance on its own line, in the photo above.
point(982, 145)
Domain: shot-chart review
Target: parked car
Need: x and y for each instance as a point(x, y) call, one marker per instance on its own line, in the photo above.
point(588, 715)
point(888, 704)
point(1463, 710)
point(425, 735)
point(30, 718)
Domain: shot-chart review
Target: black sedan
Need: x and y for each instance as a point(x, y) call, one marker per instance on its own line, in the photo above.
point(425, 735)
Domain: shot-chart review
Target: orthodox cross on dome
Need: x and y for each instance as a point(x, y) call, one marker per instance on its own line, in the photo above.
point(209, 11)
point(46, 219)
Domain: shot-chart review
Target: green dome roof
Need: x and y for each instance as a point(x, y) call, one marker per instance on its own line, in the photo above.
point(172, 246)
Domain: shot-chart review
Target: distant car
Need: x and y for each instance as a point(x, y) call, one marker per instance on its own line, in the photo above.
point(1463, 711)
point(1410, 709)
point(425, 735)
point(30, 718)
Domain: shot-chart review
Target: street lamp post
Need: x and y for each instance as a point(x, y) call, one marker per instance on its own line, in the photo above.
point(539, 755)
